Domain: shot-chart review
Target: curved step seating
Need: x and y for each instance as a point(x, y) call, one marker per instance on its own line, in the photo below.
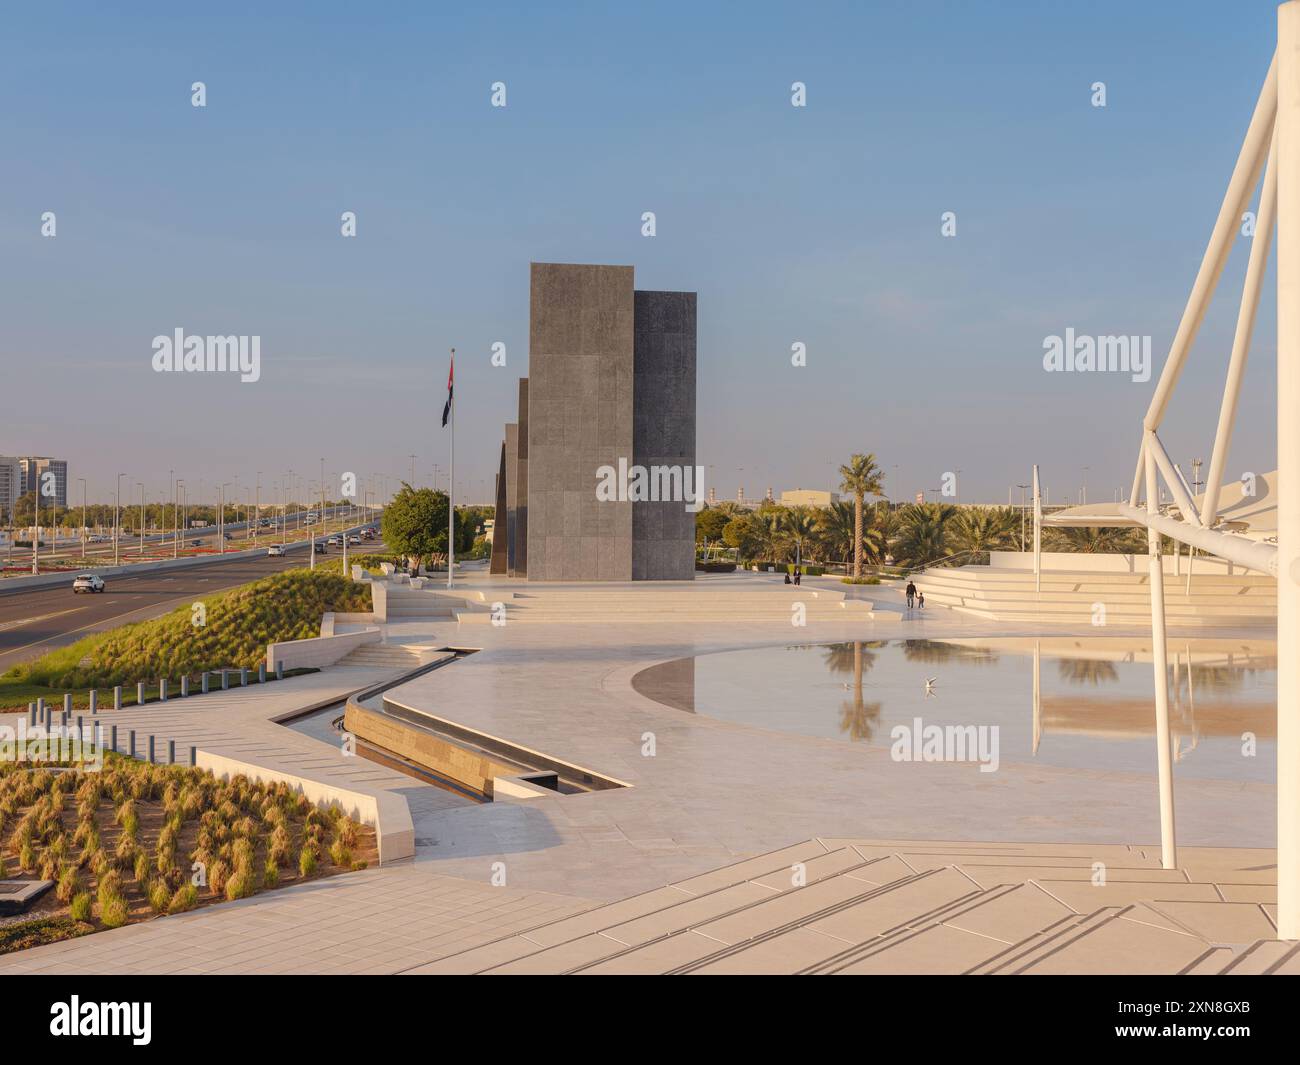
point(867, 906)
point(688, 602)
point(1069, 597)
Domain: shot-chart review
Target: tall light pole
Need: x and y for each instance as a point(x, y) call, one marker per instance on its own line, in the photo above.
point(171, 478)
point(140, 485)
point(221, 517)
point(1023, 488)
point(117, 522)
point(177, 519)
point(257, 508)
point(83, 516)
point(412, 457)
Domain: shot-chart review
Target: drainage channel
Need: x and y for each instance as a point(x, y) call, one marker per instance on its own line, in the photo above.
point(326, 724)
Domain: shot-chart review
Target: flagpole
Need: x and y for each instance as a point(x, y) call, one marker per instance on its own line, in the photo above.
point(451, 485)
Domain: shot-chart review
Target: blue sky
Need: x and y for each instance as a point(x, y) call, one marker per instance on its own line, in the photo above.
point(819, 225)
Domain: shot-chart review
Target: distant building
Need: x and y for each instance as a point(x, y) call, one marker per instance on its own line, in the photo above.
point(11, 485)
point(809, 497)
point(34, 468)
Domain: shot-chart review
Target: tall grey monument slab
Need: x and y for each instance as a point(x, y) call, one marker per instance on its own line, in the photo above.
point(611, 386)
point(501, 525)
point(663, 412)
point(579, 419)
point(512, 497)
point(521, 481)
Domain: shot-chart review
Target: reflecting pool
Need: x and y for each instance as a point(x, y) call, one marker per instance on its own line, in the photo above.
point(1062, 701)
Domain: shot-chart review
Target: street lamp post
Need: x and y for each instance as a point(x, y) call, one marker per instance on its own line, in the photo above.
point(1023, 488)
point(83, 516)
point(117, 522)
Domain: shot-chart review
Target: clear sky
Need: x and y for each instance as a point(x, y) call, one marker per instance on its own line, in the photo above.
point(818, 224)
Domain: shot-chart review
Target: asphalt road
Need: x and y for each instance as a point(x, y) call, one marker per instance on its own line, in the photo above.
point(41, 619)
point(156, 546)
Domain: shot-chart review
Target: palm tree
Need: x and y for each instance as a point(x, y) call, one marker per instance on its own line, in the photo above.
point(979, 530)
point(800, 525)
point(861, 477)
point(923, 533)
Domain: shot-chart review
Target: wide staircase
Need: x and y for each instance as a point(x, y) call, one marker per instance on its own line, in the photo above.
point(702, 600)
point(405, 602)
point(394, 656)
point(841, 906)
point(1005, 594)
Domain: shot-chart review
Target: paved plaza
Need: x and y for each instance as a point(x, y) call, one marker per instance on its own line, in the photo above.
point(712, 794)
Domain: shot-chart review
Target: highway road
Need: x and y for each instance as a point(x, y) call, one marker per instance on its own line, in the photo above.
point(38, 620)
point(162, 546)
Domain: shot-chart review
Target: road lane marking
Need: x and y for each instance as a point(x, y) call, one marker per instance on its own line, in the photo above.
point(6, 625)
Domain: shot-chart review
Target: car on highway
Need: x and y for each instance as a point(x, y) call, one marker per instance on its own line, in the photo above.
point(335, 541)
point(196, 543)
point(97, 538)
point(320, 547)
point(87, 582)
point(354, 539)
point(275, 551)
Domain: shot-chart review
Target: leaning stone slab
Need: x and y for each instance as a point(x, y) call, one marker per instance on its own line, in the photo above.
point(17, 895)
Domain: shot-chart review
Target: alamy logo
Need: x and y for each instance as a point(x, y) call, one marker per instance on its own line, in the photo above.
point(919, 742)
point(1089, 354)
point(103, 1018)
point(651, 484)
point(199, 354)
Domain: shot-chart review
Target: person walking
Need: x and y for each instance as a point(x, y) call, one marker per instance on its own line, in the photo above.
point(796, 574)
point(920, 600)
point(911, 595)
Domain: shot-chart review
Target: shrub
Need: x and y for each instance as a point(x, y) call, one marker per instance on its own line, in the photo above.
point(186, 898)
point(69, 884)
point(859, 580)
point(241, 885)
point(159, 897)
point(271, 875)
point(113, 911)
point(218, 874)
point(141, 870)
point(307, 862)
point(79, 909)
point(340, 855)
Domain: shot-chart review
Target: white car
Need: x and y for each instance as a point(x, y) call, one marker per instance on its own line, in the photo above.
point(87, 582)
point(354, 539)
point(275, 551)
point(335, 541)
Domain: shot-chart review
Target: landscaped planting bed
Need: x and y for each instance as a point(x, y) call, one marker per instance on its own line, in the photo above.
point(135, 841)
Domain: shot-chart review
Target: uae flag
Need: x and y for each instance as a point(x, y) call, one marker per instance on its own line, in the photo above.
point(451, 378)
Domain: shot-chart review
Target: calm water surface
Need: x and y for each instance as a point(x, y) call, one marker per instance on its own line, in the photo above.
point(1082, 703)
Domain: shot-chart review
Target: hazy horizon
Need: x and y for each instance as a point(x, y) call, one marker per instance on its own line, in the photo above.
point(818, 225)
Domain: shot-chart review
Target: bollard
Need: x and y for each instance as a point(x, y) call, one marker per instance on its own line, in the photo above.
point(112, 738)
point(67, 702)
point(162, 689)
point(117, 697)
point(243, 677)
point(31, 713)
point(185, 685)
point(194, 756)
point(40, 706)
point(94, 701)
point(171, 752)
point(205, 682)
point(225, 680)
point(139, 693)
point(261, 672)
point(151, 748)
point(131, 742)
point(279, 671)
point(63, 719)
point(80, 725)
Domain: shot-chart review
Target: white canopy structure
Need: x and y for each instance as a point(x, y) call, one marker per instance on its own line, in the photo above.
point(1260, 530)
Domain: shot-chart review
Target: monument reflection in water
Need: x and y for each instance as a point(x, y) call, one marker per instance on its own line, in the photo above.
point(1064, 701)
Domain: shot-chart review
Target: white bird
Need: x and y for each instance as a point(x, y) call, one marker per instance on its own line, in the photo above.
point(930, 693)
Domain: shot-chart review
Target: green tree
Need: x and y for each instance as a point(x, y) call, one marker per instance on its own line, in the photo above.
point(979, 530)
point(709, 524)
point(415, 524)
point(861, 477)
point(923, 533)
point(799, 524)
